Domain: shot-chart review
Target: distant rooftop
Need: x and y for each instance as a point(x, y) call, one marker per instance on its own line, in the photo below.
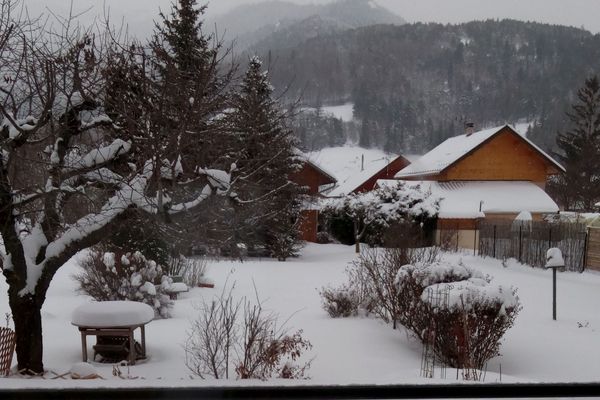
point(345, 164)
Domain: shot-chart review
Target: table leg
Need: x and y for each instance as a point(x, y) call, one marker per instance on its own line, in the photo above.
point(132, 355)
point(143, 340)
point(84, 346)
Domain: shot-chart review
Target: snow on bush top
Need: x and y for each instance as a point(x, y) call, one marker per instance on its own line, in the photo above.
point(464, 295)
point(464, 286)
point(437, 272)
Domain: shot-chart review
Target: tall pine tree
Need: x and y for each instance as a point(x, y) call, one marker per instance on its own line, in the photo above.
point(579, 188)
point(266, 160)
point(190, 68)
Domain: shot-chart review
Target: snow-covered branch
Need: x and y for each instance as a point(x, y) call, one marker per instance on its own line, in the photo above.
point(96, 158)
point(130, 194)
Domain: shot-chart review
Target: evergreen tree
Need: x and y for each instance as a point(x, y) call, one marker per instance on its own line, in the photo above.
point(264, 165)
point(190, 71)
point(579, 188)
point(169, 100)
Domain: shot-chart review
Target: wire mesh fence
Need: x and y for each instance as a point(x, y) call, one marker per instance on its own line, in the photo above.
point(528, 241)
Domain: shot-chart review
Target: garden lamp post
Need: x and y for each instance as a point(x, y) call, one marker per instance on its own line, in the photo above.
point(554, 260)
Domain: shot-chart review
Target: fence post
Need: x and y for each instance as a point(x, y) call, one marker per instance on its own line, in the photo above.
point(457, 235)
point(494, 248)
point(520, 242)
point(585, 249)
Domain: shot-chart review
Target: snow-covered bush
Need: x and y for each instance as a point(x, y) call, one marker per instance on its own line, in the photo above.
point(456, 310)
point(340, 302)
point(130, 276)
point(371, 287)
point(372, 213)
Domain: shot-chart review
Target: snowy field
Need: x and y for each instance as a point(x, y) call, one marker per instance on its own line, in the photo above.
point(355, 350)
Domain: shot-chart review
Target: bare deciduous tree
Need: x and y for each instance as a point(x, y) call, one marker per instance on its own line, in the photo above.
point(71, 167)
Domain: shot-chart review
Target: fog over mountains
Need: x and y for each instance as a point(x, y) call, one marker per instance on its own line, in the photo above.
point(253, 23)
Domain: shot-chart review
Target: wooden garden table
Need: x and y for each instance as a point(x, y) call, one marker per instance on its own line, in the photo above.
point(113, 318)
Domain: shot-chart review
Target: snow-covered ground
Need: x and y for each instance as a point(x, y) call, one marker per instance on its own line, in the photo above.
point(344, 112)
point(354, 350)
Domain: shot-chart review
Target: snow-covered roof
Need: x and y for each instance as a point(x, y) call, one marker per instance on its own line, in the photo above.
point(307, 159)
point(473, 199)
point(454, 148)
point(345, 163)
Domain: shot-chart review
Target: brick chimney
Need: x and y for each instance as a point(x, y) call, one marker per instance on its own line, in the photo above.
point(469, 128)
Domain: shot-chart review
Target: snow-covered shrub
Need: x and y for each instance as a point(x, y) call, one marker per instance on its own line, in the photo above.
point(371, 287)
point(372, 213)
point(456, 310)
point(340, 302)
point(238, 337)
point(128, 276)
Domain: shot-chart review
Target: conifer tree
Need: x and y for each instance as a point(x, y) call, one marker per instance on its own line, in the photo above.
point(191, 71)
point(266, 160)
point(579, 188)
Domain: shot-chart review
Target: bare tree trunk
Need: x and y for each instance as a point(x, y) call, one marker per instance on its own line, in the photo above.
point(356, 238)
point(26, 313)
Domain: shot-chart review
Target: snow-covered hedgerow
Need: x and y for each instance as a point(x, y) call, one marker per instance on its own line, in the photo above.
point(456, 310)
point(110, 276)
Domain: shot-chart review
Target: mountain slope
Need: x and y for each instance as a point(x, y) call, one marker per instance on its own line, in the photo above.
point(252, 23)
point(414, 85)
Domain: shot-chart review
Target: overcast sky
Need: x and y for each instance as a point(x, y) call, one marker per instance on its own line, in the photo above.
point(140, 13)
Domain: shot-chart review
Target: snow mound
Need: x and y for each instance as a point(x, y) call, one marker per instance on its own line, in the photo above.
point(554, 258)
point(83, 370)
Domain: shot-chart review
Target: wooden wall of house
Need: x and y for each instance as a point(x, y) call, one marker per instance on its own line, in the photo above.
point(505, 157)
point(386, 173)
point(310, 177)
point(309, 222)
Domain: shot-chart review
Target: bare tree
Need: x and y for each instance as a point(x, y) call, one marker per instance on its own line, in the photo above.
point(71, 167)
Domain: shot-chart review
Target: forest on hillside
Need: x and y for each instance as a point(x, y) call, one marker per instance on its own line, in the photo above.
point(415, 85)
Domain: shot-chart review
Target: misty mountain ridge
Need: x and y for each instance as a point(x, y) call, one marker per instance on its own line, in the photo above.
point(251, 24)
point(414, 85)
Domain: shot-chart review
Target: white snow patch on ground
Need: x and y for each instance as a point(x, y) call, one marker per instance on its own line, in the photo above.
point(353, 350)
point(345, 112)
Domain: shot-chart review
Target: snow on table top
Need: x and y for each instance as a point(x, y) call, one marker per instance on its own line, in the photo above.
point(112, 314)
point(472, 199)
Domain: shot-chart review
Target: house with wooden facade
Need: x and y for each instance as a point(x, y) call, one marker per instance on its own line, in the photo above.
point(491, 174)
point(315, 180)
